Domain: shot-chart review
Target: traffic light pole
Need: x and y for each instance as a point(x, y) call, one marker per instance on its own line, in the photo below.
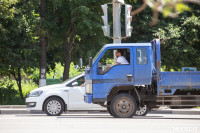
point(116, 22)
point(116, 25)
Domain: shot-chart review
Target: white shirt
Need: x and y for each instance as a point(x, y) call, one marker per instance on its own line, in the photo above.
point(122, 60)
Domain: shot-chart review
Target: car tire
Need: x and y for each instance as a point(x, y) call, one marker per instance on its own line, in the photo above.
point(53, 106)
point(142, 111)
point(123, 106)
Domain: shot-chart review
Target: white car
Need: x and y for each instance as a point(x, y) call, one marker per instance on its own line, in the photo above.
point(55, 99)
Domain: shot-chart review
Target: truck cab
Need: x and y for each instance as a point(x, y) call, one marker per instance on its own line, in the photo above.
point(104, 74)
point(127, 88)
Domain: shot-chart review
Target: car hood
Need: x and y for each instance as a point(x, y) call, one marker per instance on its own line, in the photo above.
point(49, 87)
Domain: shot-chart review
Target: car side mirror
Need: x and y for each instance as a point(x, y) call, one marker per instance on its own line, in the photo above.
point(75, 84)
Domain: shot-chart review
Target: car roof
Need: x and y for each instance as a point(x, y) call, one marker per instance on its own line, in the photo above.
point(128, 44)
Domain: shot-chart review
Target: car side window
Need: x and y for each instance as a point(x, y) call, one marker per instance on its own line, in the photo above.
point(80, 82)
point(141, 56)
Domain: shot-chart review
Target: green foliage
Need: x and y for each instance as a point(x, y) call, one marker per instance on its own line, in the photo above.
point(9, 91)
point(27, 86)
point(110, 61)
point(17, 43)
point(181, 48)
point(81, 21)
point(56, 73)
point(73, 72)
point(83, 18)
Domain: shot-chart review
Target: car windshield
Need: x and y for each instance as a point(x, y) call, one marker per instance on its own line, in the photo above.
point(71, 79)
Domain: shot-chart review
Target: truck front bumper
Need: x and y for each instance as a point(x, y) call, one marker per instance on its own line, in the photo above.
point(88, 98)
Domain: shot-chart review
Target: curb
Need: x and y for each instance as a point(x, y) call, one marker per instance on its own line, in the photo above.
point(12, 106)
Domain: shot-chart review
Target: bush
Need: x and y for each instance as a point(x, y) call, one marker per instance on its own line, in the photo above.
point(56, 73)
point(8, 95)
point(27, 86)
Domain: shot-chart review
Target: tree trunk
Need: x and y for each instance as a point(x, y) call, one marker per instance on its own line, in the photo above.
point(20, 83)
point(42, 81)
point(43, 50)
point(68, 49)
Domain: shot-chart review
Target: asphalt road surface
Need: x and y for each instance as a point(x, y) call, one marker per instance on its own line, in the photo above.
point(99, 123)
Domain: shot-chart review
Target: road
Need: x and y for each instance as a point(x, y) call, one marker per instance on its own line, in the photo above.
point(99, 123)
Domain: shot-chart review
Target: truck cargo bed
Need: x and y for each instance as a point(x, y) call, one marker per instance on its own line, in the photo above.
point(180, 79)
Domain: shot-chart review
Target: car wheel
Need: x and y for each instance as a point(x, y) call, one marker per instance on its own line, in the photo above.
point(53, 106)
point(123, 106)
point(142, 111)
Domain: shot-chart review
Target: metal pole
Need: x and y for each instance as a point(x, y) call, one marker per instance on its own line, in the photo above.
point(116, 24)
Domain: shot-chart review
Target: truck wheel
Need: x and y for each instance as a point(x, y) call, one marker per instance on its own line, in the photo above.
point(123, 106)
point(108, 109)
point(53, 107)
point(142, 111)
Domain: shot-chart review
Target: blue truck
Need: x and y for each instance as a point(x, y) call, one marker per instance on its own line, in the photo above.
point(135, 88)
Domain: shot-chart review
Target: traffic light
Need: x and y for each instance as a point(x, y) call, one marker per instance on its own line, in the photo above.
point(128, 19)
point(120, 1)
point(106, 27)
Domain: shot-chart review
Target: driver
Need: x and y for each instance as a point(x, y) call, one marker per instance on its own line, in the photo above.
point(121, 60)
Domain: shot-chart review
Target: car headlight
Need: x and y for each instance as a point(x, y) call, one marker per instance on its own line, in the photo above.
point(35, 93)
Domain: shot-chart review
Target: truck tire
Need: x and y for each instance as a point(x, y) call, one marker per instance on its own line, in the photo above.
point(123, 106)
point(108, 109)
point(53, 106)
point(142, 111)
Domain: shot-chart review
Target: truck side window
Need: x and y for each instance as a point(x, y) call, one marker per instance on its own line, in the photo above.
point(107, 60)
point(141, 56)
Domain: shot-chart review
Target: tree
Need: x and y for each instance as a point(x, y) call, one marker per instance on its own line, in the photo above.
point(17, 44)
point(167, 7)
point(181, 44)
point(72, 24)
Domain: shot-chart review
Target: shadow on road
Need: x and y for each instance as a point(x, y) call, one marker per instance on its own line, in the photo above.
point(107, 116)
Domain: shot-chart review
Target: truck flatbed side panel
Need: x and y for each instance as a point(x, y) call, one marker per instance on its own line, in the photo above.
point(180, 79)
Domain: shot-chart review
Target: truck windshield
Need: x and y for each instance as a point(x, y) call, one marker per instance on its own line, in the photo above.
point(97, 55)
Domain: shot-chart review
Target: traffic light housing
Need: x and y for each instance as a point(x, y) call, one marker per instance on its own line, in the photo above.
point(128, 20)
point(106, 27)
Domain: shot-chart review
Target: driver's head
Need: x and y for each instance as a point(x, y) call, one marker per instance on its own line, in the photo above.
point(119, 53)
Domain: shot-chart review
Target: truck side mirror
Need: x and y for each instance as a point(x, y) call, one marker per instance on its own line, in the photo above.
point(90, 62)
point(81, 63)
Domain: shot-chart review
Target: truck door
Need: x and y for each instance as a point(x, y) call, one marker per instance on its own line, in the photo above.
point(143, 65)
point(107, 73)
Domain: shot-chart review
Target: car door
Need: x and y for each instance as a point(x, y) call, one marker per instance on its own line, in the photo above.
point(76, 97)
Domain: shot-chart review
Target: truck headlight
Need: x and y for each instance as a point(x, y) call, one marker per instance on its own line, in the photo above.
point(88, 87)
point(35, 93)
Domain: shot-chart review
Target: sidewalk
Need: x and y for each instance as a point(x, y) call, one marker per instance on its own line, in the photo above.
point(21, 109)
